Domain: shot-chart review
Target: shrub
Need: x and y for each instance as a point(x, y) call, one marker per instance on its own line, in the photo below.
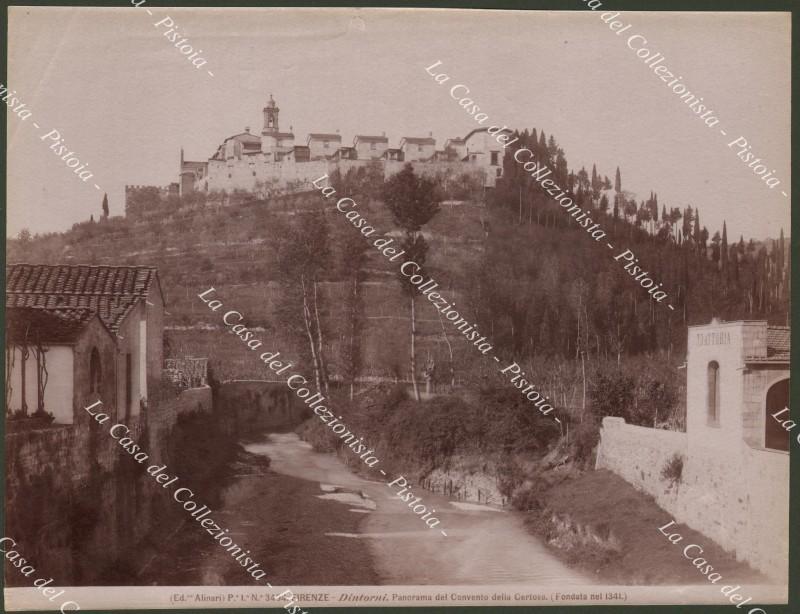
point(516, 425)
point(612, 394)
point(530, 498)
point(162, 390)
point(509, 476)
point(586, 436)
point(673, 470)
point(656, 402)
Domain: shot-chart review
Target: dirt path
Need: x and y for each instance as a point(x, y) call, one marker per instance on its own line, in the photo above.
point(483, 545)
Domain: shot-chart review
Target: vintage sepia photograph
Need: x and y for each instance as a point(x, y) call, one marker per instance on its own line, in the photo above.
point(318, 307)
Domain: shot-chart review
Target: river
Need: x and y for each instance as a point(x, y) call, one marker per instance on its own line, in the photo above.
point(484, 545)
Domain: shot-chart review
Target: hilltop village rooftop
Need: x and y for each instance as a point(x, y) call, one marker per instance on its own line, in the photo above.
point(246, 160)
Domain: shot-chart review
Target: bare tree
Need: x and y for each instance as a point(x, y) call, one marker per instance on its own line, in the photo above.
point(302, 257)
point(11, 358)
point(413, 201)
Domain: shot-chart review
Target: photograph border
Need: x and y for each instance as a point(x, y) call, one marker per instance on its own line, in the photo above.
point(539, 5)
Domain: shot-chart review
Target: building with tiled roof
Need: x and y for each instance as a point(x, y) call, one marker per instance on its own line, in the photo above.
point(260, 164)
point(737, 376)
point(417, 148)
point(455, 149)
point(370, 139)
point(370, 147)
point(323, 145)
point(778, 343)
point(322, 136)
point(55, 359)
point(111, 292)
point(48, 326)
point(86, 307)
point(727, 476)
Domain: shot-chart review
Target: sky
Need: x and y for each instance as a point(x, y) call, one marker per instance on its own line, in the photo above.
point(125, 99)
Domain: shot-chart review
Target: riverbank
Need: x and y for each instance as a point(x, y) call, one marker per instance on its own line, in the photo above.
point(597, 522)
point(282, 521)
point(489, 448)
point(485, 545)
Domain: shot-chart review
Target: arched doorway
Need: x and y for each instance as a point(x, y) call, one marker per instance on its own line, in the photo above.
point(775, 436)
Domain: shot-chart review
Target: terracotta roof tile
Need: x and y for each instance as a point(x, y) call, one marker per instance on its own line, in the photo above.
point(412, 140)
point(29, 324)
point(110, 291)
point(778, 338)
point(371, 139)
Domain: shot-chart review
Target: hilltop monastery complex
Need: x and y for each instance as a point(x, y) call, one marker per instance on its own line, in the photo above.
point(274, 160)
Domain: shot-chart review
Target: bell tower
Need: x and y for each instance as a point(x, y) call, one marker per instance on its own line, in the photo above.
point(270, 117)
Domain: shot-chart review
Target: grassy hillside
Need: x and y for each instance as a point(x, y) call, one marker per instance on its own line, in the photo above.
point(231, 249)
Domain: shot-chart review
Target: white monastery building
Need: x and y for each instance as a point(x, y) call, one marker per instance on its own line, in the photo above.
point(274, 160)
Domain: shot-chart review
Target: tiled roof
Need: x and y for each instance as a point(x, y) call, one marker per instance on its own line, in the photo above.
point(245, 137)
point(110, 291)
point(476, 130)
point(419, 141)
point(191, 165)
point(371, 139)
point(111, 309)
point(325, 136)
point(778, 347)
point(79, 279)
point(29, 324)
point(778, 342)
point(279, 135)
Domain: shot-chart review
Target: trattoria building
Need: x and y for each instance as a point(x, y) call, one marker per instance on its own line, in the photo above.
point(734, 486)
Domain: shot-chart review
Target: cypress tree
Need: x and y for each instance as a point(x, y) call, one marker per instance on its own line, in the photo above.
point(698, 230)
point(724, 251)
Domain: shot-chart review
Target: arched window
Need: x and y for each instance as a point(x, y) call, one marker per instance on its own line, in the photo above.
point(713, 393)
point(95, 374)
point(776, 409)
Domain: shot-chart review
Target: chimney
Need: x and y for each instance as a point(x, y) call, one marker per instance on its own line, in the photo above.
point(383, 133)
point(247, 129)
point(430, 134)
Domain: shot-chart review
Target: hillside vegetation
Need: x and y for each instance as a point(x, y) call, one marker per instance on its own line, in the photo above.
point(546, 294)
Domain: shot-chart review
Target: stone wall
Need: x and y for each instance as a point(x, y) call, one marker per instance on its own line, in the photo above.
point(250, 174)
point(766, 490)
point(68, 494)
point(741, 501)
point(638, 455)
point(77, 501)
point(738, 498)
